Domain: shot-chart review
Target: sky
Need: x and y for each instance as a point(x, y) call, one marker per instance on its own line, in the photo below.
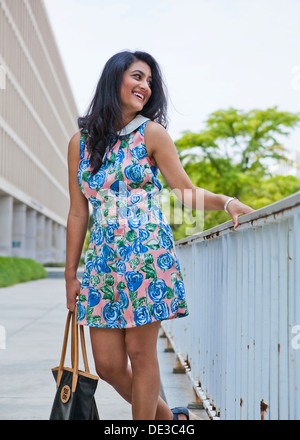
point(214, 54)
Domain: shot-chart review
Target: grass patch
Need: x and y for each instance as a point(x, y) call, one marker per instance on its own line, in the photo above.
point(54, 264)
point(14, 270)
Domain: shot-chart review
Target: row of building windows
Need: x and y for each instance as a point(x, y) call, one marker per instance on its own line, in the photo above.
point(29, 130)
point(37, 109)
point(39, 11)
point(19, 66)
point(36, 50)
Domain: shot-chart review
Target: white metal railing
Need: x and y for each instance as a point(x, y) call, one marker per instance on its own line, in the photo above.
point(242, 338)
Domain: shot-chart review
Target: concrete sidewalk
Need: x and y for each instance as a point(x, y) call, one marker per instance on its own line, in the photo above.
point(33, 315)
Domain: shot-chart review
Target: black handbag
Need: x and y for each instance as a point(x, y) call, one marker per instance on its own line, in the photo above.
point(74, 398)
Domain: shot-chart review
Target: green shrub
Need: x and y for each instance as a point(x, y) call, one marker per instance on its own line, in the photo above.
point(15, 270)
point(54, 264)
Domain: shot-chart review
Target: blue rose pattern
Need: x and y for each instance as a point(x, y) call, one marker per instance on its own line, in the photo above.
point(142, 315)
point(132, 274)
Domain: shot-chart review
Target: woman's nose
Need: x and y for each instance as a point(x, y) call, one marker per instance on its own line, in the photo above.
point(145, 85)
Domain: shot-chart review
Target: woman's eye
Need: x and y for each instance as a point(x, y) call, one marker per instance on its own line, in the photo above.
point(139, 77)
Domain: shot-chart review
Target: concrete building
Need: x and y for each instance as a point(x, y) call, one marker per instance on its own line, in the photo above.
point(37, 118)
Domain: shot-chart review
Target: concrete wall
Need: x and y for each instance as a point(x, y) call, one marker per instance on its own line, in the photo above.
point(38, 117)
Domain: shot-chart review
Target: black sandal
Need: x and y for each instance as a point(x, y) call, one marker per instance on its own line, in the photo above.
point(180, 410)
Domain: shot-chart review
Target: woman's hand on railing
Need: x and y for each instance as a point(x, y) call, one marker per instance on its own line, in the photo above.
point(236, 208)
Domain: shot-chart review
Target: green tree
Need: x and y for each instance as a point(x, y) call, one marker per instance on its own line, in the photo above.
point(232, 156)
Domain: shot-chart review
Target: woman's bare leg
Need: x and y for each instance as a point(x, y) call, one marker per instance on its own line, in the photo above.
point(141, 347)
point(111, 362)
point(111, 359)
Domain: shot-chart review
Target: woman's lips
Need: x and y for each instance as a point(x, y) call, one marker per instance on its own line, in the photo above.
point(140, 96)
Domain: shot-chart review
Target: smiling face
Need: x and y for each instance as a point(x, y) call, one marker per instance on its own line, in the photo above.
point(135, 89)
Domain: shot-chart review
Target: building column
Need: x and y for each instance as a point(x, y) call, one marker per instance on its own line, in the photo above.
point(19, 230)
point(6, 225)
point(31, 234)
point(59, 242)
point(40, 238)
point(48, 240)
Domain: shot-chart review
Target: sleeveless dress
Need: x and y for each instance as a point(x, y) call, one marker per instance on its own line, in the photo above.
point(132, 274)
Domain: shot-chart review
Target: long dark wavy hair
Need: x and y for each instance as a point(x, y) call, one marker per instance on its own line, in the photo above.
point(104, 113)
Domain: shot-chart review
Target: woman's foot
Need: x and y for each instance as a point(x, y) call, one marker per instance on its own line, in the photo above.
point(180, 413)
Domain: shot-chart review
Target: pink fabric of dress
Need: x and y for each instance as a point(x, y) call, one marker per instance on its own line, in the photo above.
point(132, 274)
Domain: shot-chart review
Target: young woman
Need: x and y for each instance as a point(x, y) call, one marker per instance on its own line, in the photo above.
point(132, 279)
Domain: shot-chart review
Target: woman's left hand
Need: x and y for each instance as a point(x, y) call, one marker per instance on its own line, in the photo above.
point(236, 208)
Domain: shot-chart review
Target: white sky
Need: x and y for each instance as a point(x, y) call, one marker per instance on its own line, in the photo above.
point(214, 54)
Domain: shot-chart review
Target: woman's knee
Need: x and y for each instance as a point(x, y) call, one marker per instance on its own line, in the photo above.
point(110, 357)
point(141, 346)
point(109, 372)
point(141, 358)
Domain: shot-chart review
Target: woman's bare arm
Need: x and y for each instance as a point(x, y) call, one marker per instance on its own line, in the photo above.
point(161, 147)
point(76, 225)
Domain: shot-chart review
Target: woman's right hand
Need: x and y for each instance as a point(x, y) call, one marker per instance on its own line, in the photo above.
point(72, 293)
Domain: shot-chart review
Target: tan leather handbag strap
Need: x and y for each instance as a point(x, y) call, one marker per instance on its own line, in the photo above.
point(64, 348)
point(83, 348)
point(75, 356)
point(74, 348)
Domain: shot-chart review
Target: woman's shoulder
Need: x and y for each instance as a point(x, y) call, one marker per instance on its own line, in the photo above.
point(154, 129)
point(75, 138)
point(74, 143)
point(155, 133)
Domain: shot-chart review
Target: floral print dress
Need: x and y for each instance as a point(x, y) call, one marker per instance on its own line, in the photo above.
point(132, 274)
